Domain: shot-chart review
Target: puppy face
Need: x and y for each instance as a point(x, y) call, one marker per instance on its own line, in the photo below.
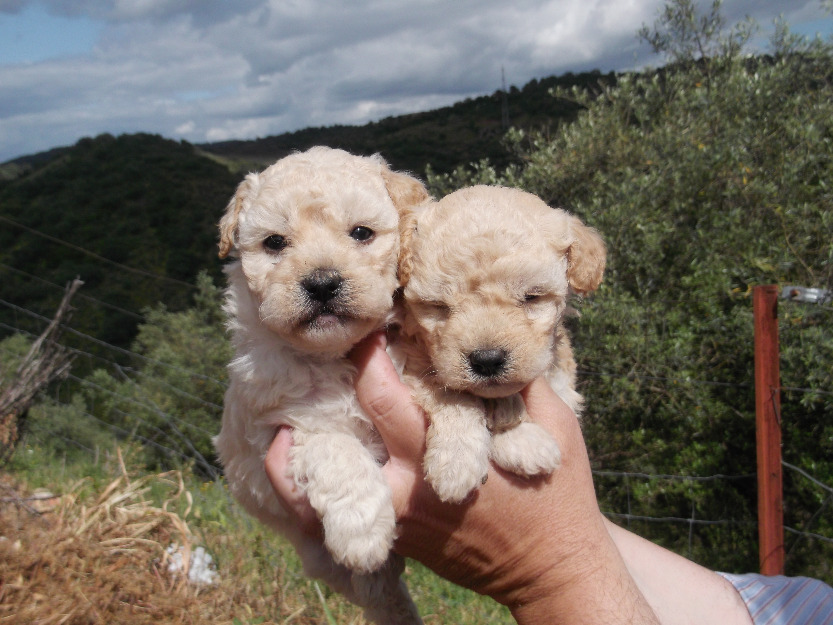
point(317, 235)
point(488, 271)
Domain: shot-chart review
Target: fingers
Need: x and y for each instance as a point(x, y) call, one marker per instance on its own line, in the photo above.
point(387, 401)
point(398, 419)
point(543, 403)
point(548, 410)
point(294, 500)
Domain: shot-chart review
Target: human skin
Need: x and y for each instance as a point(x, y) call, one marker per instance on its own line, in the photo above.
point(540, 546)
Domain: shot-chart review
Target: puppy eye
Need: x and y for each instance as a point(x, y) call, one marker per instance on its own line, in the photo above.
point(439, 307)
point(362, 233)
point(532, 296)
point(275, 243)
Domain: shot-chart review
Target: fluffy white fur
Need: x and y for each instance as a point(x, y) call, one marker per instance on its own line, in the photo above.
point(487, 274)
point(315, 238)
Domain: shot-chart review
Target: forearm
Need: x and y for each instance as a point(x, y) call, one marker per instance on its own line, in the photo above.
point(679, 591)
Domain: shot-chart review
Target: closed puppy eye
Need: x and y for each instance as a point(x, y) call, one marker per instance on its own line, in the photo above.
point(532, 296)
point(275, 242)
point(437, 306)
point(362, 233)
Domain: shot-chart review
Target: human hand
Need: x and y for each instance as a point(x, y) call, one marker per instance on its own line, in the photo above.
point(539, 546)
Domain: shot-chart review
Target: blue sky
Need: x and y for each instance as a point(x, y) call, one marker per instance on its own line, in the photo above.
point(35, 35)
point(212, 70)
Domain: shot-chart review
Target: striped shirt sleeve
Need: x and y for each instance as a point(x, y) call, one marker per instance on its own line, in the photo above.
point(779, 600)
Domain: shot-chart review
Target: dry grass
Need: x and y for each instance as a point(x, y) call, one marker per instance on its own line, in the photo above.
point(101, 558)
point(96, 554)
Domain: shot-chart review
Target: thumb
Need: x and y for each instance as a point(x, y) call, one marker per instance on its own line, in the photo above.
point(387, 401)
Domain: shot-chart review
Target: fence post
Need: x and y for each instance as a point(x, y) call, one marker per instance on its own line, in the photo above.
point(768, 430)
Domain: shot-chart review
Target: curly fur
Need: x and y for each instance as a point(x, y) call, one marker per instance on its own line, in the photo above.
point(294, 229)
point(487, 274)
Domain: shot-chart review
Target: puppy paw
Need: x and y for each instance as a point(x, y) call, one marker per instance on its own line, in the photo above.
point(526, 450)
point(457, 444)
point(455, 474)
point(360, 543)
point(346, 488)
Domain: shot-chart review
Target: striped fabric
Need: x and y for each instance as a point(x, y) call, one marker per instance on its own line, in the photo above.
point(778, 600)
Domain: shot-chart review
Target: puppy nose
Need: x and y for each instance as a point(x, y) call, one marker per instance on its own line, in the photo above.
point(322, 285)
point(487, 362)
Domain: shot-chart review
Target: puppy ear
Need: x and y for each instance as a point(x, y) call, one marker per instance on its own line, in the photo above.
point(407, 233)
point(241, 199)
point(406, 191)
point(586, 257)
point(408, 195)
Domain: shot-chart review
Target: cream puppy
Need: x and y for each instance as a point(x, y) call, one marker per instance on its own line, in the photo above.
point(315, 242)
point(487, 273)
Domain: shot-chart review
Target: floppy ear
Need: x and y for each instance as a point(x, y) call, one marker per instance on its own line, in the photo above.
point(409, 196)
point(407, 232)
point(585, 257)
point(241, 199)
point(406, 191)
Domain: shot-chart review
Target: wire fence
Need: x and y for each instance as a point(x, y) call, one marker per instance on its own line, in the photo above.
point(137, 398)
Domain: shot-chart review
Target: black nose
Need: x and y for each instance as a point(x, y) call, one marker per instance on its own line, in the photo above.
point(322, 285)
point(487, 362)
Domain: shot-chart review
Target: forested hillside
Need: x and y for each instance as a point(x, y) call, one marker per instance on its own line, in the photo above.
point(135, 216)
point(706, 178)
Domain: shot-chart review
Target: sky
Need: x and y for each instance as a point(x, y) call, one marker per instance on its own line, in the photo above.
point(214, 70)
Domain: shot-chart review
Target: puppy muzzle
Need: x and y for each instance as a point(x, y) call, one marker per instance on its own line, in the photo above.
point(325, 292)
point(322, 285)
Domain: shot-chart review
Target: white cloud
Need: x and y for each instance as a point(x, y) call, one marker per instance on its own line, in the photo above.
point(209, 70)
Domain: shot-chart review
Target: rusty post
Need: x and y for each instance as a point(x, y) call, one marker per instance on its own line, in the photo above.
point(768, 428)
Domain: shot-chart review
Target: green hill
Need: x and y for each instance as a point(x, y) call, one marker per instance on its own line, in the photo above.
point(135, 216)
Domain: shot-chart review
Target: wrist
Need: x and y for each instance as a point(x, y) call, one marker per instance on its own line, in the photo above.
point(593, 587)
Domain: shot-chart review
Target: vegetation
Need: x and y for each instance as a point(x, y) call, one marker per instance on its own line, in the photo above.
point(706, 177)
point(133, 216)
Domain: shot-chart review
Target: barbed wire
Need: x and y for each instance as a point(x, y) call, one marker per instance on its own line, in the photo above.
point(98, 257)
point(110, 346)
point(124, 311)
point(665, 476)
point(129, 370)
point(629, 517)
point(176, 443)
point(808, 534)
point(673, 519)
point(815, 481)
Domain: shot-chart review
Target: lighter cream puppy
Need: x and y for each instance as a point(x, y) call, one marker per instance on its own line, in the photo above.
point(488, 272)
point(315, 242)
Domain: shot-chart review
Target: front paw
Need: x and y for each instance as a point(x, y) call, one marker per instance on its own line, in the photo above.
point(360, 539)
point(454, 471)
point(526, 450)
point(346, 488)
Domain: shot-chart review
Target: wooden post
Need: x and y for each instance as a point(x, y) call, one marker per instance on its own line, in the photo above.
point(768, 428)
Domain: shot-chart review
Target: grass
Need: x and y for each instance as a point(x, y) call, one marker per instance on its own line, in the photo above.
point(97, 554)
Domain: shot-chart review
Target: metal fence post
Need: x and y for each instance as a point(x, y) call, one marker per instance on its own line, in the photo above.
point(768, 430)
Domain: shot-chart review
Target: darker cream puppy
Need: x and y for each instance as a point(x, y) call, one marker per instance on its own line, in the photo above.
point(487, 274)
